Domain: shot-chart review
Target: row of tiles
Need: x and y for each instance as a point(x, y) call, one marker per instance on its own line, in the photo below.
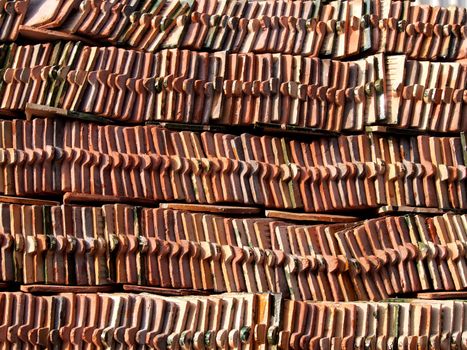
point(380, 148)
point(370, 260)
point(327, 188)
point(323, 175)
point(303, 9)
point(338, 28)
point(227, 321)
point(235, 89)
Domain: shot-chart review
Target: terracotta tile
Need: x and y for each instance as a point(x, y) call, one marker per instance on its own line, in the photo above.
point(399, 250)
point(125, 89)
point(242, 64)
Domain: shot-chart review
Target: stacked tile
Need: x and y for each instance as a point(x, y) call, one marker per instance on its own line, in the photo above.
point(309, 28)
point(227, 321)
point(327, 174)
point(107, 86)
point(235, 89)
point(126, 321)
point(432, 97)
point(425, 32)
point(116, 243)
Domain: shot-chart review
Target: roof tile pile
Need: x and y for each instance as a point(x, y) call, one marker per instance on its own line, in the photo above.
point(310, 28)
point(117, 243)
point(325, 174)
point(233, 174)
point(222, 88)
point(227, 321)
